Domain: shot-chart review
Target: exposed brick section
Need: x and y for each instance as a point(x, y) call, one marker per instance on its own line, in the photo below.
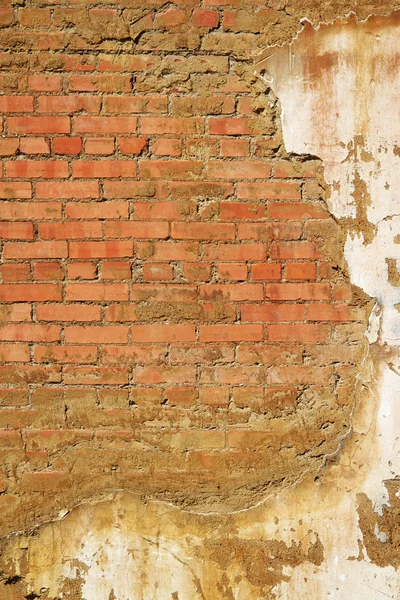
point(162, 279)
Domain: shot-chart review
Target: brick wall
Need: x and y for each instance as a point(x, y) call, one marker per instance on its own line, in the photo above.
point(172, 320)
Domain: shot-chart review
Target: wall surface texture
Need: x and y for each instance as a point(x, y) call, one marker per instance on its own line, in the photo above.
point(200, 297)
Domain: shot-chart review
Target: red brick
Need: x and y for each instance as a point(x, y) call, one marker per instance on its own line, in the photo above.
point(15, 312)
point(35, 145)
point(35, 17)
point(296, 210)
point(233, 375)
point(8, 146)
point(297, 250)
point(96, 375)
point(132, 145)
point(135, 189)
point(272, 190)
point(164, 292)
point(14, 272)
point(298, 333)
point(67, 189)
point(232, 271)
point(286, 231)
point(197, 271)
point(120, 313)
point(66, 231)
point(48, 271)
point(45, 83)
point(99, 292)
point(171, 18)
point(231, 333)
point(188, 190)
point(136, 104)
point(304, 270)
point(15, 189)
point(181, 396)
point(35, 250)
point(235, 252)
point(157, 272)
point(333, 312)
point(30, 210)
point(162, 210)
point(102, 125)
point(167, 251)
point(81, 270)
point(65, 354)
point(97, 210)
point(16, 104)
point(67, 312)
point(30, 333)
point(272, 312)
point(233, 147)
point(300, 375)
point(201, 353)
point(112, 249)
point(14, 353)
point(116, 270)
point(266, 271)
point(297, 291)
point(36, 168)
point(67, 104)
point(137, 229)
point(164, 169)
point(37, 292)
point(100, 83)
point(104, 168)
point(16, 231)
point(100, 146)
point(270, 355)
point(165, 374)
point(232, 291)
point(167, 147)
point(163, 333)
point(38, 125)
point(127, 62)
point(133, 354)
point(202, 231)
point(165, 125)
point(238, 169)
point(102, 334)
point(205, 18)
point(67, 145)
point(254, 231)
point(231, 126)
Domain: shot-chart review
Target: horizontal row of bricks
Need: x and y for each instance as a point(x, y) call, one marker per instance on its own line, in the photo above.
point(157, 169)
point(129, 104)
point(58, 16)
point(111, 334)
point(33, 397)
point(266, 190)
point(161, 146)
point(126, 124)
point(158, 272)
point(106, 292)
point(177, 353)
point(150, 375)
point(121, 249)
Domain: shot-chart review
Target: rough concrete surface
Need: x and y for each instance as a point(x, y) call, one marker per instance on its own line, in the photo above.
point(200, 399)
